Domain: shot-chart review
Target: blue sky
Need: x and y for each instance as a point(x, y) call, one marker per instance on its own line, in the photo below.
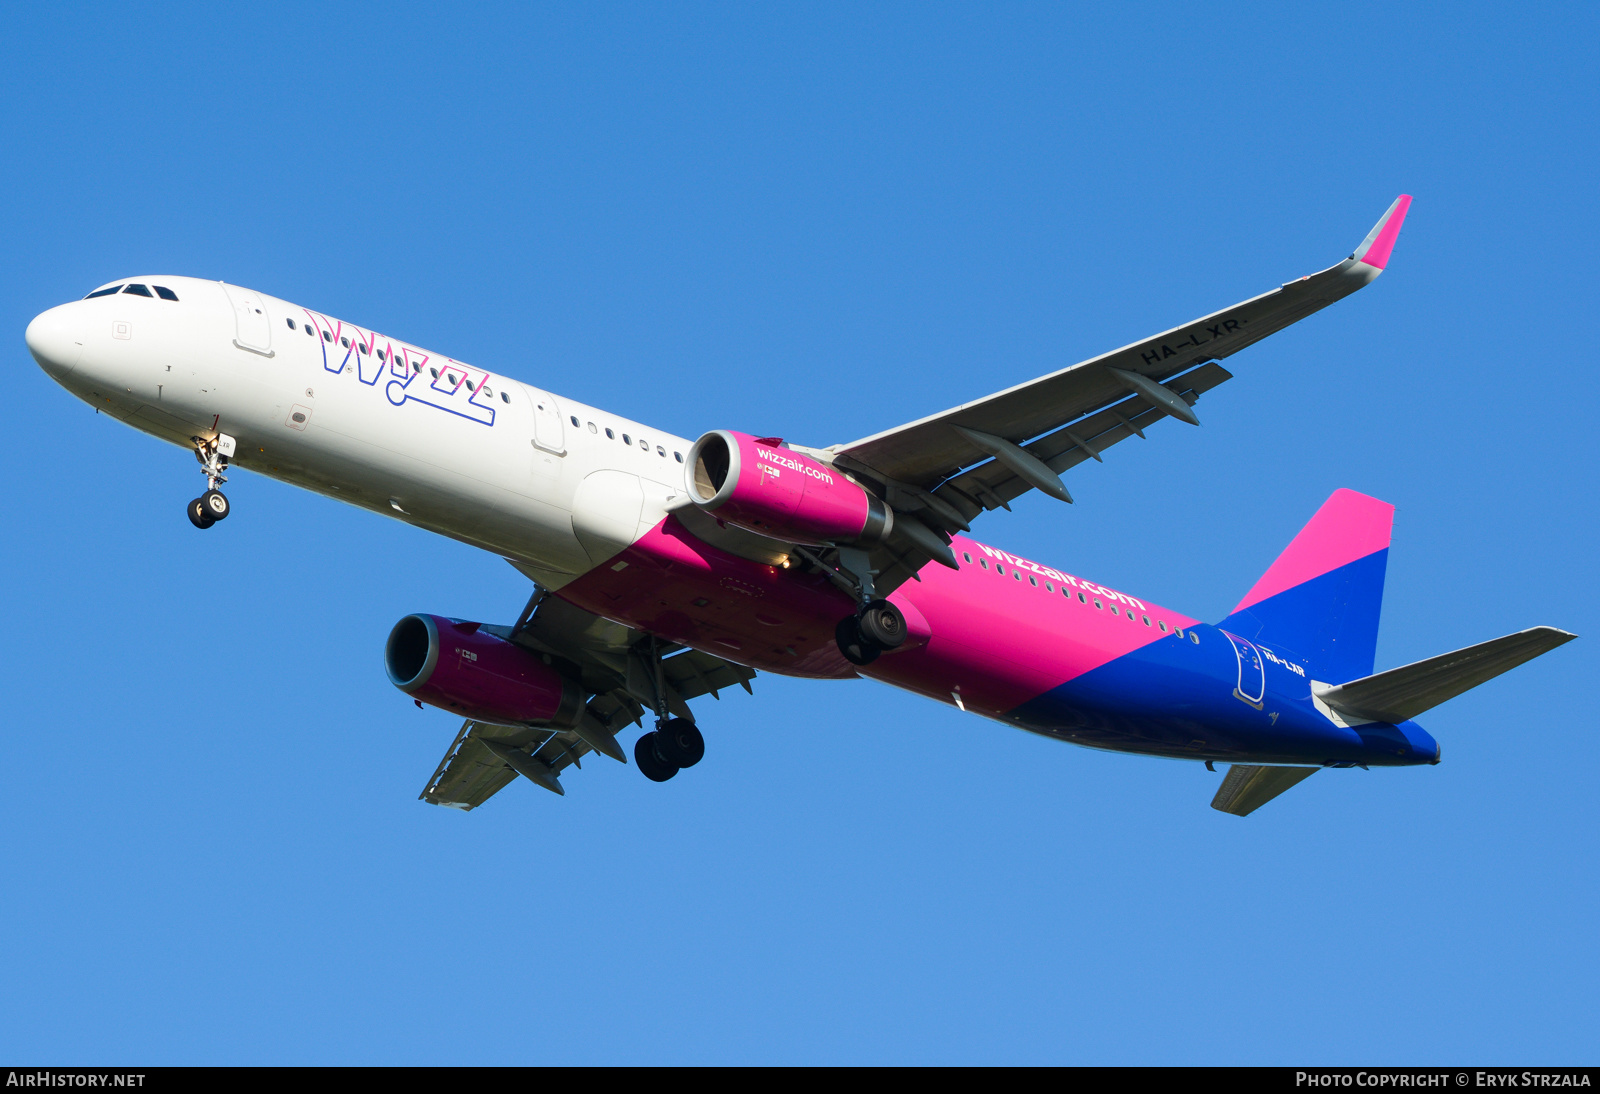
point(813, 222)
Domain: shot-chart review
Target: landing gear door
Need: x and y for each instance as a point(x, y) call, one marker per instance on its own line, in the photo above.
point(548, 431)
point(1252, 686)
point(252, 325)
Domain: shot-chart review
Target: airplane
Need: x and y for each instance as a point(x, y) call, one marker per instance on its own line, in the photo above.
point(665, 569)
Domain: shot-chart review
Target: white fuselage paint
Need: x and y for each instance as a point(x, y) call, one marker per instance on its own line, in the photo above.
point(555, 498)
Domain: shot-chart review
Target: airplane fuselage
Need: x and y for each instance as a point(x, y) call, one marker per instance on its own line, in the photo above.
point(595, 508)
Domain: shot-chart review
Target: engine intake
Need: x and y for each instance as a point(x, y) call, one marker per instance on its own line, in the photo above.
point(454, 665)
point(781, 493)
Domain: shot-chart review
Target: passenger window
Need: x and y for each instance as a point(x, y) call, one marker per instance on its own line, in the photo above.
point(967, 557)
point(504, 398)
point(1195, 638)
point(434, 372)
point(360, 348)
point(137, 290)
point(627, 440)
point(345, 342)
point(983, 563)
point(1016, 575)
point(574, 420)
point(610, 436)
point(291, 323)
point(593, 428)
point(1113, 609)
point(1048, 587)
point(327, 336)
point(1083, 600)
point(644, 444)
point(309, 332)
point(1162, 624)
point(1146, 619)
point(1033, 581)
point(104, 292)
point(999, 569)
point(678, 456)
point(662, 452)
point(165, 293)
point(1097, 604)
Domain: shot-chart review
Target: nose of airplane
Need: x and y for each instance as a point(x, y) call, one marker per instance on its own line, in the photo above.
point(55, 338)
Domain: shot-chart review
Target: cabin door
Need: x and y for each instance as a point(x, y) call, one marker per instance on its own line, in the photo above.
point(252, 326)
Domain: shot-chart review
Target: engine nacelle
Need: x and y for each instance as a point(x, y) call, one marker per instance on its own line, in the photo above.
point(454, 665)
point(781, 493)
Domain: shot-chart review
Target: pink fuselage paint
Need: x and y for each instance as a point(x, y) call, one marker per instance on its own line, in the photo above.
point(1003, 637)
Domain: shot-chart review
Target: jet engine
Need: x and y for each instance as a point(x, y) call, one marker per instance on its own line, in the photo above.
point(459, 667)
point(754, 483)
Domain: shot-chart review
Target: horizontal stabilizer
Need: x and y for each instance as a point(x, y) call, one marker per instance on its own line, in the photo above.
point(1246, 787)
point(1406, 692)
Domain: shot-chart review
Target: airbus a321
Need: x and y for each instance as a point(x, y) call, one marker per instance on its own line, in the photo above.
point(664, 568)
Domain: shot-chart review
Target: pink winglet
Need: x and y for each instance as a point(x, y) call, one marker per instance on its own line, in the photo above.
point(1374, 250)
point(1349, 526)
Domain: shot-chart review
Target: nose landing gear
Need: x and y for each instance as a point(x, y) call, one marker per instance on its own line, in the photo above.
point(213, 455)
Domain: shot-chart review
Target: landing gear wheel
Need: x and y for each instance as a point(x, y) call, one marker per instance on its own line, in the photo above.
point(198, 515)
point(680, 743)
point(653, 766)
point(882, 625)
point(853, 644)
point(215, 503)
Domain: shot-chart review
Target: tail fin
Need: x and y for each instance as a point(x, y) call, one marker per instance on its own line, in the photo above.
point(1322, 596)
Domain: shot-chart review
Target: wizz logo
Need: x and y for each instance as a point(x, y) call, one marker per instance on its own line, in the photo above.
point(408, 374)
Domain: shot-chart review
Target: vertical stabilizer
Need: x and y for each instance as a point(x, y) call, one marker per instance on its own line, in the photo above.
point(1322, 596)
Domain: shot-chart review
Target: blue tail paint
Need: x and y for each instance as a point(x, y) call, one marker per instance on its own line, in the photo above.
point(1322, 597)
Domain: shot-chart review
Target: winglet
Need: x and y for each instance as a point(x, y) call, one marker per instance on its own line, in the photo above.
point(1374, 250)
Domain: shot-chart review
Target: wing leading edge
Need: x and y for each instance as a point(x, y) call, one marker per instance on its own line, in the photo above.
point(1068, 416)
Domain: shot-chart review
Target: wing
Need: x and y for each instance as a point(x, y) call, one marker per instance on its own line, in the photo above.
point(948, 468)
point(616, 665)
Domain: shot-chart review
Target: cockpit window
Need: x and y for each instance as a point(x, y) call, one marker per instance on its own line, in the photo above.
point(137, 290)
point(104, 292)
point(165, 293)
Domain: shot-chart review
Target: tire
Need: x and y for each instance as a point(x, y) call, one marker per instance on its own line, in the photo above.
point(198, 516)
point(215, 503)
point(883, 625)
point(856, 649)
point(651, 765)
point(679, 742)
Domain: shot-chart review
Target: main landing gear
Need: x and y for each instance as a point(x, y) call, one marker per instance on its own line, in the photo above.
point(674, 744)
point(876, 629)
point(213, 455)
